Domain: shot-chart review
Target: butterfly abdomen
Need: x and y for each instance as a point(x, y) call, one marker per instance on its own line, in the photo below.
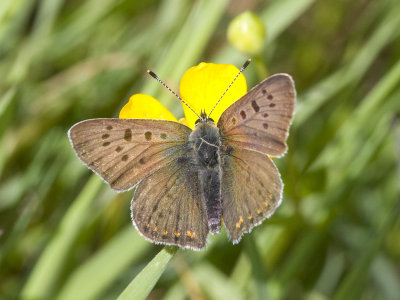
point(211, 190)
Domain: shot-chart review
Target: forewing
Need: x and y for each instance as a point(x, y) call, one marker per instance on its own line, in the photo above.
point(123, 151)
point(251, 190)
point(260, 120)
point(167, 207)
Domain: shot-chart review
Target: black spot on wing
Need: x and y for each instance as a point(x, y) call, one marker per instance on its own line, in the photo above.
point(128, 135)
point(148, 135)
point(255, 106)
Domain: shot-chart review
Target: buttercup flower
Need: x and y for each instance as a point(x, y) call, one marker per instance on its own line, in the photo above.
point(201, 87)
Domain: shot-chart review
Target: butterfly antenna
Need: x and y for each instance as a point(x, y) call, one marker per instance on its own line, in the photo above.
point(234, 79)
point(152, 74)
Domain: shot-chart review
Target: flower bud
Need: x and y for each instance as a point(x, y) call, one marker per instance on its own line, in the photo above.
point(246, 33)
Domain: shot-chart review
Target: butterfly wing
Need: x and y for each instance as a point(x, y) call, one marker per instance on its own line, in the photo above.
point(167, 207)
point(251, 192)
point(252, 128)
point(260, 120)
point(123, 151)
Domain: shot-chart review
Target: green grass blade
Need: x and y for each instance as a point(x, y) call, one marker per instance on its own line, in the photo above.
point(258, 272)
point(193, 38)
point(215, 284)
point(48, 269)
point(97, 274)
point(242, 271)
point(312, 100)
point(369, 113)
point(354, 282)
point(389, 283)
point(141, 286)
point(281, 14)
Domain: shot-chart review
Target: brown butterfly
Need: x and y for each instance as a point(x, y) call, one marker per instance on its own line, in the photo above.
point(186, 180)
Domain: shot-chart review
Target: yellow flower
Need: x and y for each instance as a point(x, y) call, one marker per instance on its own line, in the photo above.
point(201, 87)
point(142, 106)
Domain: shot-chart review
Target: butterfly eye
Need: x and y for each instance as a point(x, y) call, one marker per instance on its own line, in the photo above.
point(197, 121)
point(211, 120)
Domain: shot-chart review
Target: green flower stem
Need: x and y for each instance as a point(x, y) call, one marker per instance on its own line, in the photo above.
point(261, 67)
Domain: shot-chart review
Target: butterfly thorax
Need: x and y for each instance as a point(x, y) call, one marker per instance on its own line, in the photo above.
point(206, 143)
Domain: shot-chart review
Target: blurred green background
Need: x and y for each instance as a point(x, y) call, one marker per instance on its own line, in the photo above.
point(64, 234)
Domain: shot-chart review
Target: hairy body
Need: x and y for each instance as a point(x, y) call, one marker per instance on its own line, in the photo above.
point(206, 142)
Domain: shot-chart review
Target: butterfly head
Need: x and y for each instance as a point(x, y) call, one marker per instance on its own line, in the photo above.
point(204, 118)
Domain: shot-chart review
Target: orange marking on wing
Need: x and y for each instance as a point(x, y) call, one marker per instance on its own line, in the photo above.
point(191, 234)
point(240, 222)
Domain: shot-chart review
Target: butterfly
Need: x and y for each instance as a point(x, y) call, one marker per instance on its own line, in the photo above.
point(188, 182)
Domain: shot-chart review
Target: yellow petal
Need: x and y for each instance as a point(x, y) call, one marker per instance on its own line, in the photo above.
point(141, 106)
point(201, 87)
